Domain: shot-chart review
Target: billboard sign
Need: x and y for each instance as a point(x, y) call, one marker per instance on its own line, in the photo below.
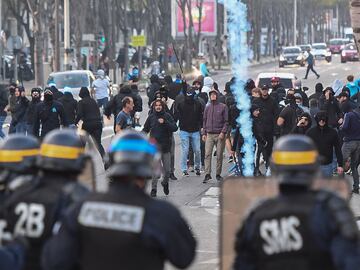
point(207, 18)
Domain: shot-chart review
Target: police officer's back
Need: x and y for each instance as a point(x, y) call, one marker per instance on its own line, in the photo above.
point(123, 228)
point(298, 229)
point(33, 210)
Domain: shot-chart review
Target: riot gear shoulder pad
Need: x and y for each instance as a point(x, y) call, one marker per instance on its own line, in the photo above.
point(341, 214)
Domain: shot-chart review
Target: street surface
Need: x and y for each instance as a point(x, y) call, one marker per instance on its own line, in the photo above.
point(199, 202)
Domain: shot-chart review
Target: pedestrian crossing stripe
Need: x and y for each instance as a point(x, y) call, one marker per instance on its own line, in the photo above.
point(16, 155)
point(61, 151)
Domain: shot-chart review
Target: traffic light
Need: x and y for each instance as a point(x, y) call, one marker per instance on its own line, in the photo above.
point(101, 41)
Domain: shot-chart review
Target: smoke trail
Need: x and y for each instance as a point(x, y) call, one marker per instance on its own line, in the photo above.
point(237, 28)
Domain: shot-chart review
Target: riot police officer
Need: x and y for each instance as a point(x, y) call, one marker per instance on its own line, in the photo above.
point(300, 228)
point(18, 154)
point(124, 228)
point(33, 210)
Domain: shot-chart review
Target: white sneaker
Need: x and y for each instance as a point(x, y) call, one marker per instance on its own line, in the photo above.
point(268, 172)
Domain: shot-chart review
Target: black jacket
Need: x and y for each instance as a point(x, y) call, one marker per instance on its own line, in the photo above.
point(70, 107)
point(189, 111)
point(115, 104)
point(326, 140)
point(50, 115)
point(269, 113)
point(56, 93)
point(88, 110)
point(21, 106)
point(30, 113)
point(162, 133)
point(4, 101)
point(153, 88)
point(332, 109)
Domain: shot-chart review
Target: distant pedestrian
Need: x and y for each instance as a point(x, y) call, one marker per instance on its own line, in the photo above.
point(88, 111)
point(124, 120)
point(11, 106)
point(70, 106)
point(204, 69)
point(161, 126)
point(311, 63)
point(49, 115)
point(101, 89)
point(4, 100)
point(30, 113)
point(19, 115)
point(215, 126)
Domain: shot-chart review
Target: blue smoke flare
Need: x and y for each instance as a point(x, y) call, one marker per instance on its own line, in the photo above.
point(237, 28)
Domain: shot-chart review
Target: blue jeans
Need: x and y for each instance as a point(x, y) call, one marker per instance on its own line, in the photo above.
point(327, 170)
point(20, 127)
point(195, 143)
point(102, 102)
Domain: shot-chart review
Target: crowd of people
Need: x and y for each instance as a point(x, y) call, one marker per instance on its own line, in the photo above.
point(205, 118)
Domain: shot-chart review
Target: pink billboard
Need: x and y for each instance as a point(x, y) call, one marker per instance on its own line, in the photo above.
point(208, 18)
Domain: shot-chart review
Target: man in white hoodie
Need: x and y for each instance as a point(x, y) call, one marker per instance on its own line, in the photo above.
point(208, 84)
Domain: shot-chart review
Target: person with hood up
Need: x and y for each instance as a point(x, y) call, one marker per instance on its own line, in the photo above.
point(346, 104)
point(189, 112)
point(300, 102)
point(318, 92)
point(208, 84)
point(351, 145)
point(314, 109)
point(330, 105)
point(353, 86)
point(88, 111)
point(198, 91)
point(173, 87)
point(101, 89)
point(161, 127)
point(19, 115)
point(70, 106)
point(30, 113)
point(301, 91)
point(56, 93)
point(153, 88)
point(215, 126)
point(49, 115)
point(303, 124)
point(326, 140)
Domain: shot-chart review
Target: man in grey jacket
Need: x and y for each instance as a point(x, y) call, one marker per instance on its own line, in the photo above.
point(215, 124)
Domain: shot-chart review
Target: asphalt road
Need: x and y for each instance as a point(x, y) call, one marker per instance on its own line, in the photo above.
point(199, 202)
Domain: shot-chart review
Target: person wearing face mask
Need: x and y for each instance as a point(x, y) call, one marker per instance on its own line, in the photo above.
point(300, 103)
point(49, 115)
point(189, 112)
point(326, 140)
point(289, 115)
point(330, 105)
point(198, 91)
point(30, 113)
point(161, 127)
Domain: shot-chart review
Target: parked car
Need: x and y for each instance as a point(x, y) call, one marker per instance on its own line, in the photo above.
point(287, 80)
point(349, 53)
point(336, 45)
point(321, 51)
point(74, 79)
point(290, 56)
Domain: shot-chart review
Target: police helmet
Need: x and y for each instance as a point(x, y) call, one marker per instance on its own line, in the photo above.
point(18, 153)
point(294, 155)
point(132, 154)
point(62, 151)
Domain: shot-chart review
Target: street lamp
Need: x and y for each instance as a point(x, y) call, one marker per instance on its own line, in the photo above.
point(295, 20)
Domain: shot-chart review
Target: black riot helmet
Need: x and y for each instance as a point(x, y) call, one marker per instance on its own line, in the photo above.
point(18, 153)
point(133, 155)
point(62, 151)
point(295, 160)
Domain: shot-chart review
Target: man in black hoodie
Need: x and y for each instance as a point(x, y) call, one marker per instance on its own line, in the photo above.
point(56, 93)
point(318, 92)
point(88, 111)
point(70, 106)
point(189, 112)
point(49, 114)
point(30, 113)
point(269, 113)
point(330, 105)
point(161, 126)
point(153, 88)
point(326, 140)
